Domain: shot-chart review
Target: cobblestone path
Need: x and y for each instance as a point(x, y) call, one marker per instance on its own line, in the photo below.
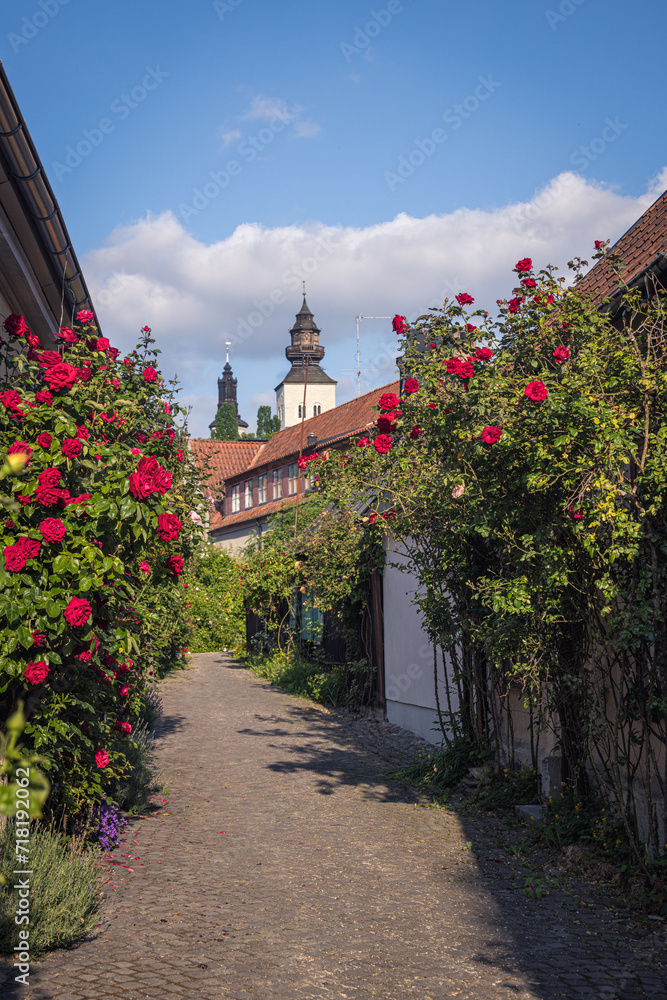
point(283, 865)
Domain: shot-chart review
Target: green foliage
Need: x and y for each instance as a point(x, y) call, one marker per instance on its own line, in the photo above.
point(20, 772)
point(217, 614)
point(226, 424)
point(509, 787)
point(266, 423)
point(528, 485)
point(107, 465)
point(64, 890)
point(338, 685)
point(437, 772)
point(132, 792)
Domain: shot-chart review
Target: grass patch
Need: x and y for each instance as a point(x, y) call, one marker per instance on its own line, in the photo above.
point(64, 890)
point(346, 685)
point(437, 772)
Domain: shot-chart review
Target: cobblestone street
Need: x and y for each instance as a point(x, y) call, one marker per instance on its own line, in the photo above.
point(282, 863)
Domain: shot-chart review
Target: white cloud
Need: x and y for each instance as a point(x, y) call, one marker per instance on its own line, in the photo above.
point(229, 137)
point(246, 288)
point(306, 129)
point(270, 107)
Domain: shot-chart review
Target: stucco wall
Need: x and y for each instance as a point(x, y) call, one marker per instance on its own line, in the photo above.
point(290, 396)
point(408, 656)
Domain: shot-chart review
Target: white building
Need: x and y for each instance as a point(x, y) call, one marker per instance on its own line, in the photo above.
point(305, 355)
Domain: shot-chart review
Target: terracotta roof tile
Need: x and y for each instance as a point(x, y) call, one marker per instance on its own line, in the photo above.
point(262, 510)
point(221, 459)
point(642, 243)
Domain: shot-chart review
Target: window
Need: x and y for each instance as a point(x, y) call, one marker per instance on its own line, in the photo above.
point(277, 484)
point(292, 476)
point(300, 409)
point(317, 409)
point(236, 498)
point(262, 489)
point(248, 494)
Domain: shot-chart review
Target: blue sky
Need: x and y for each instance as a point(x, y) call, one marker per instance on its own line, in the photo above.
point(304, 111)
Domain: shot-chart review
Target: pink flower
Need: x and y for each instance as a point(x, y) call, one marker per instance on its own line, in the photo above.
point(491, 435)
point(135, 451)
point(53, 529)
point(524, 265)
point(36, 672)
point(101, 756)
point(458, 491)
point(383, 443)
point(77, 612)
point(561, 354)
point(411, 385)
point(84, 316)
point(464, 299)
point(144, 567)
point(537, 391)
point(150, 374)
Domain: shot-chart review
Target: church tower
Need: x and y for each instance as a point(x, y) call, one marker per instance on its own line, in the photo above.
point(227, 391)
point(304, 354)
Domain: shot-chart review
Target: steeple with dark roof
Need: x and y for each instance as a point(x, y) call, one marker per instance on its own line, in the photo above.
point(305, 349)
point(227, 392)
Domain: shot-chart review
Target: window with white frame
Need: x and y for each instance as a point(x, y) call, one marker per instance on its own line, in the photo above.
point(248, 494)
point(277, 477)
point(292, 477)
point(236, 498)
point(317, 409)
point(262, 489)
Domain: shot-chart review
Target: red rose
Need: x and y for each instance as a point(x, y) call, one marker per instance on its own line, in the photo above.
point(302, 462)
point(44, 396)
point(20, 448)
point(15, 558)
point(483, 353)
point(83, 433)
point(383, 443)
point(175, 565)
point(464, 299)
point(141, 437)
point(84, 316)
point(168, 527)
point(411, 385)
point(101, 756)
point(599, 245)
point(67, 334)
point(81, 499)
point(124, 691)
point(470, 328)
point(561, 354)
point(84, 374)
point(44, 439)
point(150, 477)
point(575, 514)
point(36, 672)
point(102, 344)
point(524, 265)
point(432, 406)
point(363, 442)
point(389, 401)
point(537, 391)
point(61, 376)
point(529, 283)
point(385, 422)
point(33, 340)
point(113, 352)
point(47, 359)
point(463, 369)
point(123, 727)
point(416, 432)
point(125, 667)
point(11, 399)
point(77, 612)
point(30, 546)
point(15, 325)
point(491, 435)
point(53, 529)
point(71, 447)
point(150, 375)
point(515, 304)
point(144, 567)
point(399, 324)
point(179, 454)
point(38, 639)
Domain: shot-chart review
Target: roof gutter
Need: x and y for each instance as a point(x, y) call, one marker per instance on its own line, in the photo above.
point(31, 186)
point(651, 276)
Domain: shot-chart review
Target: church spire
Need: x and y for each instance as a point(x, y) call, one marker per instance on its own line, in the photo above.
point(227, 390)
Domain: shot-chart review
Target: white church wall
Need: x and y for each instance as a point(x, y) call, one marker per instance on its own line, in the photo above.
point(408, 656)
point(289, 397)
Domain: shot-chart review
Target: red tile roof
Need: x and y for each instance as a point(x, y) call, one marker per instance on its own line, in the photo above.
point(637, 248)
point(219, 460)
point(263, 510)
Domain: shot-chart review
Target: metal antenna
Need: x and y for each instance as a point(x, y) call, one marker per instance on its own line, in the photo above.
point(228, 344)
point(361, 317)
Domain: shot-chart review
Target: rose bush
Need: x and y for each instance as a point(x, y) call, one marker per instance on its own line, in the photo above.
point(94, 536)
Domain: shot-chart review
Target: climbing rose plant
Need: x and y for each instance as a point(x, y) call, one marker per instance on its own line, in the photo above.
point(96, 527)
